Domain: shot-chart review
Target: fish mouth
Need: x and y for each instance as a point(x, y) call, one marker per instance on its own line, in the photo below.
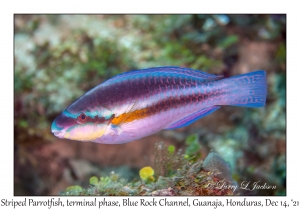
point(60, 124)
point(57, 131)
point(58, 134)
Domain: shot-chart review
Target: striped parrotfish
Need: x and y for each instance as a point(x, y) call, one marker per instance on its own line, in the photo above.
point(139, 103)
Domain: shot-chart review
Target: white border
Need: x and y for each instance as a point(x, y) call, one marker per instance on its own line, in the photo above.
point(154, 6)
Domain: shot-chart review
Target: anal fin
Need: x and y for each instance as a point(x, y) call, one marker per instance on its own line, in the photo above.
point(193, 117)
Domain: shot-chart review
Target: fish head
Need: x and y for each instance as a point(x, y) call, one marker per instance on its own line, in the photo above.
point(81, 124)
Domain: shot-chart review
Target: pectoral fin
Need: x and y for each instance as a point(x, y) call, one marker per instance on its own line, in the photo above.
point(193, 117)
point(131, 114)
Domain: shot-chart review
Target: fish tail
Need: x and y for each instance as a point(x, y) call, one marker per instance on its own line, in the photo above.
point(248, 90)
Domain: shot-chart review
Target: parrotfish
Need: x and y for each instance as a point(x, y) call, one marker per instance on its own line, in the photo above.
point(139, 103)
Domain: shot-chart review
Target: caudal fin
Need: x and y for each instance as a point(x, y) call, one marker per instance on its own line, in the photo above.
point(249, 90)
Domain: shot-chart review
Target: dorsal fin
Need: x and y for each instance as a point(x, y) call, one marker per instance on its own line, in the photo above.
point(165, 71)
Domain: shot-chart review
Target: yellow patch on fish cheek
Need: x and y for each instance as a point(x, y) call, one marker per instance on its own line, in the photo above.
point(87, 132)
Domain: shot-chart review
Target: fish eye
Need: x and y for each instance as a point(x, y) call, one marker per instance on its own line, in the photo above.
point(82, 118)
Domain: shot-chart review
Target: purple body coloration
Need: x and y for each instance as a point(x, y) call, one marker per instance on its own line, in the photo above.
point(139, 103)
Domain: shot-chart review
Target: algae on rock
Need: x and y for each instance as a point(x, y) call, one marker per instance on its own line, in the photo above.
point(175, 175)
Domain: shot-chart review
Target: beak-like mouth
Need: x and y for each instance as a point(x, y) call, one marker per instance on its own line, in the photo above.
point(59, 134)
point(56, 130)
point(56, 133)
point(60, 123)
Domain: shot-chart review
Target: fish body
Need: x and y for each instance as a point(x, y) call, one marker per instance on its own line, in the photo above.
point(139, 103)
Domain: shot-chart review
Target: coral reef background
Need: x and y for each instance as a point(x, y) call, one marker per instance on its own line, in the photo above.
point(57, 58)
